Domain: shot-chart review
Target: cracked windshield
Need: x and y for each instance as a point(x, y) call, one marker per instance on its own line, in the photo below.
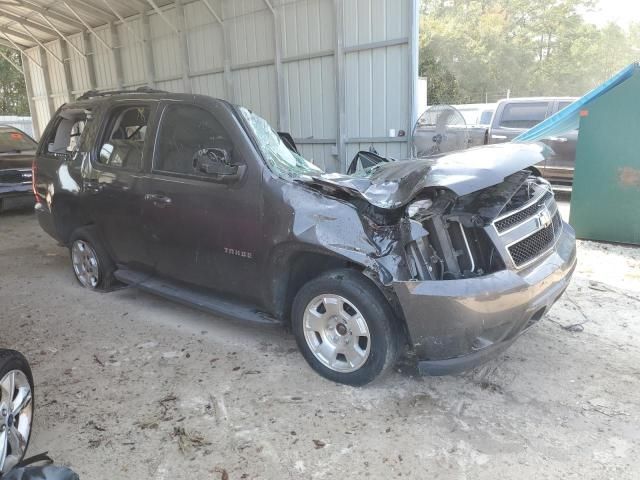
point(283, 161)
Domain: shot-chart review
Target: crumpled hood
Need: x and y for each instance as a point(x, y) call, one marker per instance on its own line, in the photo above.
point(394, 184)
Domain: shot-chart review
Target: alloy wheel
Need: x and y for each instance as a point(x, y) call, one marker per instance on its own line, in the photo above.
point(16, 415)
point(336, 332)
point(85, 264)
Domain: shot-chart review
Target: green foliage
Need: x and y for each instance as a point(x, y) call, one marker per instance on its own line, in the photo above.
point(13, 94)
point(477, 50)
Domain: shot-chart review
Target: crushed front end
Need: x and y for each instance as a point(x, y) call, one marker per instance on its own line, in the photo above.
point(485, 267)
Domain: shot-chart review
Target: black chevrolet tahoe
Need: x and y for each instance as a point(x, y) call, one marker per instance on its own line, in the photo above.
point(201, 201)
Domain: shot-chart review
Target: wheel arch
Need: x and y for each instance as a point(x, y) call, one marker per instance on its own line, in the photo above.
point(291, 269)
point(68, 216)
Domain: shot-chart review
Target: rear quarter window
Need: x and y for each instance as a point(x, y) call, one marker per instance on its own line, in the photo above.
point(523, 115)
point(65, 136)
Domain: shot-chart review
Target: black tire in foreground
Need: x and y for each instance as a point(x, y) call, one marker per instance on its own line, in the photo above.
point(345, 328)
point(16, 408)
point(92, 265)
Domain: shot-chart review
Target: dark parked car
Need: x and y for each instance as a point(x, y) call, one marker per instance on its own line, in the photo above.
point(517, 115)
point(17, 152)
point(201, 201)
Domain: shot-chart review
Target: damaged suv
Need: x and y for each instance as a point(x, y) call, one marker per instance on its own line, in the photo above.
point(202, 202)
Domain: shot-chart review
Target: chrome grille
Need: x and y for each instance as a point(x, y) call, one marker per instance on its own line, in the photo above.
point(526, 232)
point(533, 246)
point(520, 216)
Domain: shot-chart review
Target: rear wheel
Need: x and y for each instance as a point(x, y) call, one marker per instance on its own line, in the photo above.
point(16, 408)
point(345, 328)
point(91, 263)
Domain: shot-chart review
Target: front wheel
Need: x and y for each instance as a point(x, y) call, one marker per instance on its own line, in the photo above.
point(345, 328)
point(16, 408)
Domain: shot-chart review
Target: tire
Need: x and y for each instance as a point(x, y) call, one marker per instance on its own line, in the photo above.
point(363, 348)
point(92, 265)
point(16, 416)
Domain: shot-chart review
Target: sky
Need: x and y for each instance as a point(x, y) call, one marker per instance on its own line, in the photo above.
point(621, 12)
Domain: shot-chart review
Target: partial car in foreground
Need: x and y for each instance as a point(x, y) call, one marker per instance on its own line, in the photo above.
point(201, 201)
point(17, 152)
point(16, 408)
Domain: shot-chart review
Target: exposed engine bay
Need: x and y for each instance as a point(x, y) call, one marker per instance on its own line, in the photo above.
point(451, 222)
point(464, 233)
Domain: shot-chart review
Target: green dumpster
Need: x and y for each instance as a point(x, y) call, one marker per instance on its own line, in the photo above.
point(605, 202)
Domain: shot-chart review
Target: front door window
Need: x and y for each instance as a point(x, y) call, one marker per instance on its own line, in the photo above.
point(186, 131)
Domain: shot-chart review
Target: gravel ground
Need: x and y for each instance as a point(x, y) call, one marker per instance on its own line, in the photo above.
point(129, 385)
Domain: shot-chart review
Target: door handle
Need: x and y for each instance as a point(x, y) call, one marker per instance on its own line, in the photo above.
point(158, 199)
point(559, 139)
point(499, 137)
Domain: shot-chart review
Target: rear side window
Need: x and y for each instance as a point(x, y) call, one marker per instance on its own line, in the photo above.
point(186, 130)
point(523, 115)
point(123, 144)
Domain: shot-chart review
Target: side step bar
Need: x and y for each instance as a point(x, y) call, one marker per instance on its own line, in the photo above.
point(207, 302)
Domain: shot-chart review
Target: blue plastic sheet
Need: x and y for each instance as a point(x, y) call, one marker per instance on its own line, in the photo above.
point(568, 118)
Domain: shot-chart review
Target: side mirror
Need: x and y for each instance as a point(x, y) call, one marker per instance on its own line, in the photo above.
point(216, 162)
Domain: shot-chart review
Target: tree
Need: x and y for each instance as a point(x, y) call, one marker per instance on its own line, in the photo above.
point(477, 50)
point(442, 86)
point(13, 93)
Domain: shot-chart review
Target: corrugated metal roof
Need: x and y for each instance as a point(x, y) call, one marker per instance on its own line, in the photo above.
point(24, 23)
point(337, 74)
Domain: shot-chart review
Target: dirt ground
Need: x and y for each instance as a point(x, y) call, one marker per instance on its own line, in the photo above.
point(129, 385)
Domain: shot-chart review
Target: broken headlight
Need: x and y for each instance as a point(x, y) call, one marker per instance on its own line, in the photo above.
point(419, 208)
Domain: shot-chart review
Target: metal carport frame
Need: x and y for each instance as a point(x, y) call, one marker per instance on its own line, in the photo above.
point(340, 75)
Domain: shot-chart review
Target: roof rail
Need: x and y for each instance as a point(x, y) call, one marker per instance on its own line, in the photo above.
point(95, 93)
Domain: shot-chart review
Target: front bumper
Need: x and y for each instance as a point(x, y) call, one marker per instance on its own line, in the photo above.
point(455, 325)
